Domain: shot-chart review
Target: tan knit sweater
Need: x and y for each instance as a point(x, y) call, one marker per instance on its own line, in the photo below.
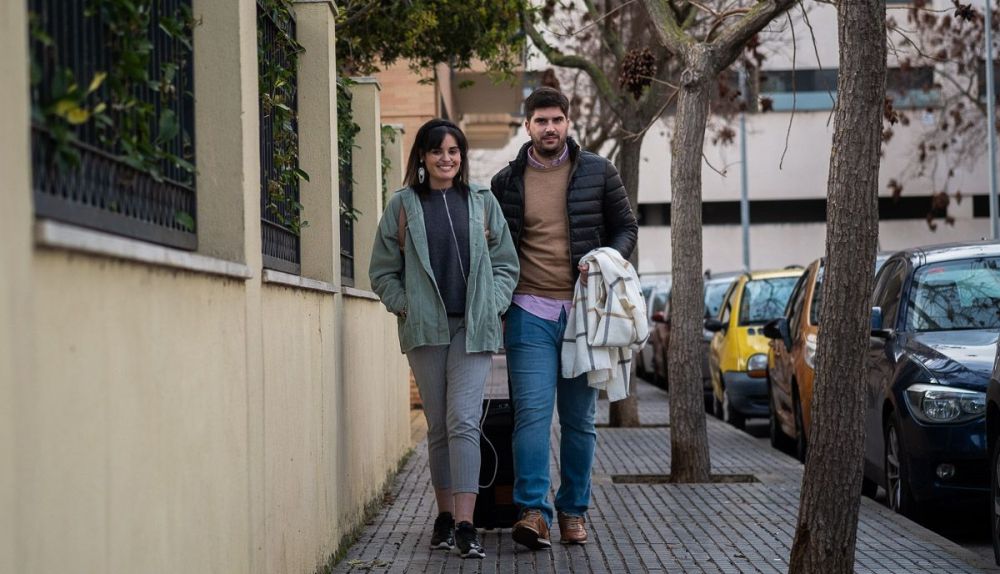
point(545, 256)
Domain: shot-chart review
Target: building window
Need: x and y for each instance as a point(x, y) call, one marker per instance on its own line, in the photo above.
point(805, 89)
point(112, 131)
point(280, 211)
point(912, 87)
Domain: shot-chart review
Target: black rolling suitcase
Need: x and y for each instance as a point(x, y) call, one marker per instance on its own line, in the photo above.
point(495, 503)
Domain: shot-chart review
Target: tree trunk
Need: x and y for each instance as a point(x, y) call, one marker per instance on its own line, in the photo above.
point(688, 436)
point(625, 413)
point(831, 487)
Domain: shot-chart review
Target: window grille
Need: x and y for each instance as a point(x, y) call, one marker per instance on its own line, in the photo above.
point(112, 138)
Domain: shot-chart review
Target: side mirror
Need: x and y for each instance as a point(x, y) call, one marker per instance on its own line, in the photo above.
point(659, 317)
point(877, 328)
point(713, 325)
point(778, 329)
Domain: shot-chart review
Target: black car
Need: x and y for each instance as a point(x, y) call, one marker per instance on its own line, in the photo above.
point(935, 318)
point(992, 434)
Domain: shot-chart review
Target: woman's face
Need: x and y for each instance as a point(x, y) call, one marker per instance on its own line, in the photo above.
point(443, 162)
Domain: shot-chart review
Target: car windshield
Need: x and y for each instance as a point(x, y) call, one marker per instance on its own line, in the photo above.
point(714, 292)
point(765, 299)
point(955, 295)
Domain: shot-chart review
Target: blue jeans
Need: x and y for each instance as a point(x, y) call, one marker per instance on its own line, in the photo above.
point(533, 348)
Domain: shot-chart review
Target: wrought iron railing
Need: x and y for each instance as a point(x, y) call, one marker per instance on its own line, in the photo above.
point(279, 192)
point(113, 117)
point(346, 227)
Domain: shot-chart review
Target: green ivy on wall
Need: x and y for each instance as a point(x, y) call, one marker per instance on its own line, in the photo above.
point(388, 137)
point(347, 132)
point(128, 124)
point(277, 84)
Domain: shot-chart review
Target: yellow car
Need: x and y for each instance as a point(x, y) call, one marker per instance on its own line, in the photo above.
point(738, 352)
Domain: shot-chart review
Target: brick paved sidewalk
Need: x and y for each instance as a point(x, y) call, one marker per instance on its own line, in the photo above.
point(710, 528)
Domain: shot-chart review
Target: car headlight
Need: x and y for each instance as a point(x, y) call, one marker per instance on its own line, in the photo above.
point(810, 355)
point(940, 404)
point(757, 365)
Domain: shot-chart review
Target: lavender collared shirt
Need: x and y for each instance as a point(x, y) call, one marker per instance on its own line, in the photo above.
point(544, 307)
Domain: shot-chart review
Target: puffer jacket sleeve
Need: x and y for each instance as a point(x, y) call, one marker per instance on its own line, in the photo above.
point(503, 255)
point(618, 217)
point(387, 263)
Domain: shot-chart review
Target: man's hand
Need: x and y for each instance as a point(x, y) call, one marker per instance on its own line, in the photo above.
point(584, 268)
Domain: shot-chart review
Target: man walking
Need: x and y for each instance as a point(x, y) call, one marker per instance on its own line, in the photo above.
point(560, 203)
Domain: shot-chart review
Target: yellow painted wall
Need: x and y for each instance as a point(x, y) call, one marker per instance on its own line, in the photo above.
point(133, 441)
point(15, 265)
point(156, 419)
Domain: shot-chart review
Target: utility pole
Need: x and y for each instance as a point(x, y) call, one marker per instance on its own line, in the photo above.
point(744, 194)
point(991, 142)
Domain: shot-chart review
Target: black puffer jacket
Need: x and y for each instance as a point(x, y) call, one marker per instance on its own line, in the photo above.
point(596, 202)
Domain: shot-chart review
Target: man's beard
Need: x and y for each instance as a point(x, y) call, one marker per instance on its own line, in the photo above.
point(548, 153)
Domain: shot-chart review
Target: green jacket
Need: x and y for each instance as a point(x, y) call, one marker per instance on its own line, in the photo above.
point(493, 273)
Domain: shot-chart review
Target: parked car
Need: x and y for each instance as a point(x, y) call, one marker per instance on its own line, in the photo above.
point(791, 361)
point(790, 368)
point(993, 447)
point(738, 351)
point(935, 316)
point(655, 295)
point(715, 290)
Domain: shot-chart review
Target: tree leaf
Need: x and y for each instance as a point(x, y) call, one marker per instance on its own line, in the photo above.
point(185, 220)
point(96, 82)
point(77, 116)
point(169, 126)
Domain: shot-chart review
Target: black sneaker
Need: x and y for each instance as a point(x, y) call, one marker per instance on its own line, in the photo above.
point(468, 541)
point(444, 532)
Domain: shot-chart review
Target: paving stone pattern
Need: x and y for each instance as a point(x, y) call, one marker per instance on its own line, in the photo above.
point(710, 528)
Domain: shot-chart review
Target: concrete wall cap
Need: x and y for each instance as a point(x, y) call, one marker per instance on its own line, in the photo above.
point(333, 7)
point(288, 280)
point(368, 80)
point(55, 235)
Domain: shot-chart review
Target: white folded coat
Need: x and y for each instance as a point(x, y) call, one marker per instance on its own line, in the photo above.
point(607, 323)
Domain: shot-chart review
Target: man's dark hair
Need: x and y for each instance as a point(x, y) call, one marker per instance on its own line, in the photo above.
point(545, 97)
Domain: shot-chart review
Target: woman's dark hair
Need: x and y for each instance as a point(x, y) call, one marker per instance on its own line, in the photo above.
point(429, 136)
point(545, 97)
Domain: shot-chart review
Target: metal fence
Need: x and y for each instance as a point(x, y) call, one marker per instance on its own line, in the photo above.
point(280, 240)
point(346, 226)
point(96, 160)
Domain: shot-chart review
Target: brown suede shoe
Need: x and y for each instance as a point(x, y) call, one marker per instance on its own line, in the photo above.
point(572, 529)
point(531, 530)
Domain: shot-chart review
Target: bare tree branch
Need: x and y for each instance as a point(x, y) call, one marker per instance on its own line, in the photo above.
point(732, 40)
point(665, 26)
point(558, 58)
point(791, 117)
point(612, 41)
point(656, 117)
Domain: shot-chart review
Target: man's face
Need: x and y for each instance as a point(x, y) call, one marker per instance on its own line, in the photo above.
point(548, 128)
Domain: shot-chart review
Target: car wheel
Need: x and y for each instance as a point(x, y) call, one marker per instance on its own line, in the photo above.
point(655, 377)
point(868, 487)
point(898, 495)
point(730, 414)
point(995, 499)
point(779, 440)
point(801, 446)
point(716, 406)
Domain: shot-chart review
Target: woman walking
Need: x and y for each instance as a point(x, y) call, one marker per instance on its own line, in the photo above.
point(444, 263)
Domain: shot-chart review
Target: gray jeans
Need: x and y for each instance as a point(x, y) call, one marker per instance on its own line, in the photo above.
point(451, 384)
